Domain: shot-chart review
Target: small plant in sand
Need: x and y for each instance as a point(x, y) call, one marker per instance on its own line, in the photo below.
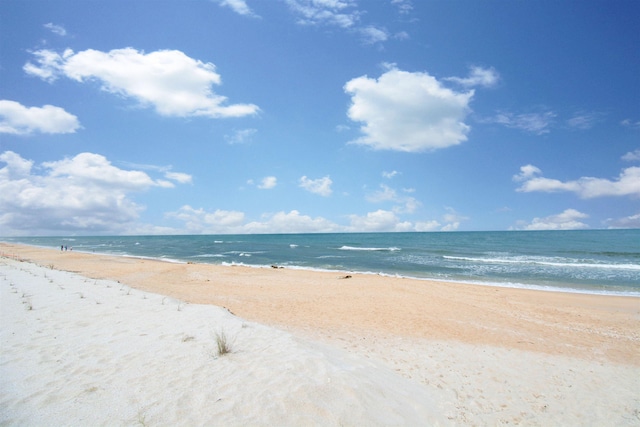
point(27, 303)
point(222, 343)
point(142, 418)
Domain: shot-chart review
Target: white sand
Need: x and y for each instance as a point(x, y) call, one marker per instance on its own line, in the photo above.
point(78, 351)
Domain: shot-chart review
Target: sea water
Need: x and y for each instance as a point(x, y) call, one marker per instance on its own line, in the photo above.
point(593, 261)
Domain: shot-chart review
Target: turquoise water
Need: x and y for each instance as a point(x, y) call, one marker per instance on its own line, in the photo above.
point(600, 261)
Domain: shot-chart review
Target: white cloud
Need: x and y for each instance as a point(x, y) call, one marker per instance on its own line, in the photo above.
point(170, 81)
point(627, 184)
point(404, 111)
point(390, 175)
point(537, 123)
point(56, 29)
point(567, 220)
point(238, 6)
point(584, 120)
point(401, 35)
point(428, 226)
point(404, 6)
point(17, 119)
point(387, 194)
point(321, 186)
point(633, 124)
point(632, 156)
point(379, 220)
point(478, 76)
point(291, 222)
point(241, 136)
point(452, 219)
point(179, 177)
point(341, 13)
point(372, 35)
point(199, 221)
point(632, 221)
point(268, 182)
point(85, 193)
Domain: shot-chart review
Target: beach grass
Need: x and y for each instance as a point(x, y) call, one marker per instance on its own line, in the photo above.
point(222, 343)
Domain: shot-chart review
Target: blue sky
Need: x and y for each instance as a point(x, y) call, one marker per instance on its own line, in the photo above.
point(256, 116)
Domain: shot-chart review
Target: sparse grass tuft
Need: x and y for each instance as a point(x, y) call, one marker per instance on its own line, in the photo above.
point(224, 347)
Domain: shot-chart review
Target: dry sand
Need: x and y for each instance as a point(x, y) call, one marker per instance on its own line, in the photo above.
point(124, 341)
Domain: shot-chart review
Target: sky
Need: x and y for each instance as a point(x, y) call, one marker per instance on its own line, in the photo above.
point(302, 116)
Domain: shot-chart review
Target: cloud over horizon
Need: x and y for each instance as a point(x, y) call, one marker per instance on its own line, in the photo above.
point(570, 219)
point(85, 193)
point(627, 184)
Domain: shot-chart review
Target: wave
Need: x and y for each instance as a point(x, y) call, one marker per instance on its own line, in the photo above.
point(209, 256)
point(353, 248)
point(633, 267)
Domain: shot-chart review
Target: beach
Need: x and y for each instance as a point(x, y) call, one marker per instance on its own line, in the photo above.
point(91, 339)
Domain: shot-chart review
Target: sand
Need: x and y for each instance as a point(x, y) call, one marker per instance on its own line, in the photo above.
point(97, 340)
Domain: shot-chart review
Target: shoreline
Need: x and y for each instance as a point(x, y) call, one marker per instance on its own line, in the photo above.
point(603, 327)
point(508, 285)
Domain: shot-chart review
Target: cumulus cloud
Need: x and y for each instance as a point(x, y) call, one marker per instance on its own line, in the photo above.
point(452, 219)
point(632, 156)
point(17, 119)
point(238, 6)
point(570, 219)
point(291, 222)
point(627, 184)
point(321, 186)
point(372, 34)
point(478, 76)
point(56, 29)
point(85, 193)
point(537, 123)
point(407, 111)
point(404, 204)
point(199, 221)
point(379, 220)
point(632, 221)
point(268, 182)
point(168, 80)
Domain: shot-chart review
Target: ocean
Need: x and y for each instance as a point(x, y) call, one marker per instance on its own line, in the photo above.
point(590, 261)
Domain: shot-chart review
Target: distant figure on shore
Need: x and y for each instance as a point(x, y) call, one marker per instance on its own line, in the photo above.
point(62, 247)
